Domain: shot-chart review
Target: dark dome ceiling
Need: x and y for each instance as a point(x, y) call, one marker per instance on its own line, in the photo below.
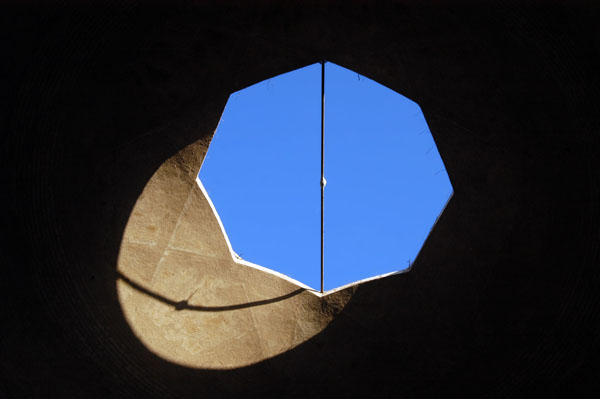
point(503, 300)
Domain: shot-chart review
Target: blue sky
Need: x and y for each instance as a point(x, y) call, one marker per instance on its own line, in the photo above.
point(386, 182)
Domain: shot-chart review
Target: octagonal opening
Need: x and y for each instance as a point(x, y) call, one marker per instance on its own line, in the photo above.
point(386, 181)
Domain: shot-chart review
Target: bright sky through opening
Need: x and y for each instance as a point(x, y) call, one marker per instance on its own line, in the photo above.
point(386, 182)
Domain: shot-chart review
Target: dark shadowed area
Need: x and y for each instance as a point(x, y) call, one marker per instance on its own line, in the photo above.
point(503, 300)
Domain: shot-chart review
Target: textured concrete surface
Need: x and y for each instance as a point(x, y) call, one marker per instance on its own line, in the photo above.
point(185, 296)
point(503, 301)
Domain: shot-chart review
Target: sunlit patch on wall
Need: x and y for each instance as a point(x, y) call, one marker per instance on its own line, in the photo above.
point(187, 299)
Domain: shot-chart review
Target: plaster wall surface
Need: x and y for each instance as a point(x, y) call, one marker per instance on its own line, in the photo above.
point(502, 301)
point(186, 297)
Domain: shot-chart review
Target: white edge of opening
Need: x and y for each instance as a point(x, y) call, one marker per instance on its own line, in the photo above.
point(242, 261)
point(294, 281)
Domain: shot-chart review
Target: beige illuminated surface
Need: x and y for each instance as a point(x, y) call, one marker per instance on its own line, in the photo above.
point(188, 299)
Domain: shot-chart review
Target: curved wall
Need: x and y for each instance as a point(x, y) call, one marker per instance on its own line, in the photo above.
point(503, 299)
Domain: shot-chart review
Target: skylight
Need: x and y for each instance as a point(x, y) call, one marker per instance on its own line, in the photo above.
point(386, 182)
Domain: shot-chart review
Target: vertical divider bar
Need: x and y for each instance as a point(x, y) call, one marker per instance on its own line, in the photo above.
point(323, 181)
